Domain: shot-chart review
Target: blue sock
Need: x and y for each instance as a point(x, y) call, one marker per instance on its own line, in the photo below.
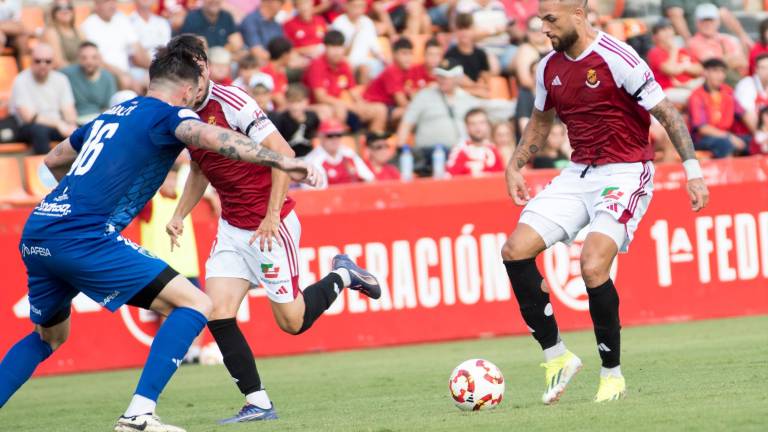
point(19, 364)
point(171, 343)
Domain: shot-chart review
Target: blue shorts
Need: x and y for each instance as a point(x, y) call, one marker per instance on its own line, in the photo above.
point(110, 270)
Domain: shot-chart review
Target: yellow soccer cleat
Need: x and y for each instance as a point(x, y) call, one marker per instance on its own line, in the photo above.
point(559, 372)
point(611, 388)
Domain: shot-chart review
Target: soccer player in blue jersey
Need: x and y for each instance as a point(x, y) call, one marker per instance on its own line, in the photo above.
point(108, 170)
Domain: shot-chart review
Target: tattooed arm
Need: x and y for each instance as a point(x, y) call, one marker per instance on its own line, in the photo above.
point(237, 146)
point(60, 159)
point(534, 138)
point(666, 113)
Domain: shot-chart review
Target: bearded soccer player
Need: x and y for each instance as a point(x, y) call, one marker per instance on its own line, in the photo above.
point(107, 171)
point(604, 93)
point(257, 241)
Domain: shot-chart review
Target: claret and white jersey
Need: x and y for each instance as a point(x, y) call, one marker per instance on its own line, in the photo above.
point(603, 97)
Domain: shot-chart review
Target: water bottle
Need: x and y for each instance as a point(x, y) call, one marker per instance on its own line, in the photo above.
point(438, 162)
point(406, 163)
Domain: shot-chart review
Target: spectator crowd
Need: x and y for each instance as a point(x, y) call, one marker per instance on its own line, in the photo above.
point(349, 84)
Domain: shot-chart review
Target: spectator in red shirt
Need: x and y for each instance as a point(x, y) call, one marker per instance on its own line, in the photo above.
point(761, 47)
point(306, 31)
point(477, 155)
point(341, 164)
point(674, 67)
point(331, 82)
point(380, 152)
point(421, 75)
point(389, 87)
point(759, 144)
point(709, 43)
point(713, 110)
point(279, 50)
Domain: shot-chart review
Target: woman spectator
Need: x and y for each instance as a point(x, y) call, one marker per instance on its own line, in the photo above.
point(760, 47)
point(503, 138)
point(536, 46)
point(61, 34)
point(759, 144)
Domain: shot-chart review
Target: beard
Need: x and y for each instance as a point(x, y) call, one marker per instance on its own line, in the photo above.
point(565, 42)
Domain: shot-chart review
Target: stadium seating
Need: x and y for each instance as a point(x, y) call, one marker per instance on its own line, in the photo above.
point(10, 70)
point(499, 87)
point(11, 189)
point(33, 18)
point(16, 147)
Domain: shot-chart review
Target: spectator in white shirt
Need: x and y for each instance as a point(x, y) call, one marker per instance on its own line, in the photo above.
point(751, 94)
point(340, 163)
point(153, 30)
point(361, 41)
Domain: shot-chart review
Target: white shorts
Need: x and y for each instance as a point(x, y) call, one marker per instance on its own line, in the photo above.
point(571, 202)
point(278, 270)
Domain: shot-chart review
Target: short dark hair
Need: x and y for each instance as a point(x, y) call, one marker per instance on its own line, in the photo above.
point(464, 21)
point(714, 63)
point(87, 44)
point(248, 62)
point(334, 38)
point(763, 31)
point(473, 112)
point(296, 92)
point(660, 25)
point(433, 42)
point(191, 44)
point(174, 65)
point(278, 47)
point(401, 44)
point(761, 57)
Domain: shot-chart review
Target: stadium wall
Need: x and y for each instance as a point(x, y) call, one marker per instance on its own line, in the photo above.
point(436, 243)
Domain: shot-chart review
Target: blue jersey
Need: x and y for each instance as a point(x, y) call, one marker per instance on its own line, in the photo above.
point(123, 157)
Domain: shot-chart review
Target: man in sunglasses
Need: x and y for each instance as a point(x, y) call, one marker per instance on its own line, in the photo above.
point(42, 101)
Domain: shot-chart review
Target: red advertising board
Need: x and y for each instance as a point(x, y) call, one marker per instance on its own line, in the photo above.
point(436, 245)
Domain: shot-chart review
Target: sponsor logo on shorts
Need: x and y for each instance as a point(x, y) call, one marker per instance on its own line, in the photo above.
point(35, 310)
point(612, 192)
point(109, 298)
point(140, 249)
point(270, 271)
point(34, 250)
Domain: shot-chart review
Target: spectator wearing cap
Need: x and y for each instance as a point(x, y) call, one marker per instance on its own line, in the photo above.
point(297, 123)
point(92, 86)
point(220, 65)
point(341, 164)
point(380, 152)
point(62, 35)
point(216, 25)
point(42, 101)
point(423, 74)
point(118, 44)
point(306, 31)
point(389, 87)
point(713, 111)
point(489, 25)
point(751, 93)
point(675, 69)
point(475, 155)
point(709, 43)
point(262, 94)
point(474, 61)
point(279, 56)
point(260, 27)
point(332, 84)
point(683, 15)
point(761, 47)
point(360, 40)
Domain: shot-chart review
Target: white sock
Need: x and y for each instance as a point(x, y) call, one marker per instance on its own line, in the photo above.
point(345, 277)
point(608, 372)
point(554, 351)
point(259, 398)
point(140, 405)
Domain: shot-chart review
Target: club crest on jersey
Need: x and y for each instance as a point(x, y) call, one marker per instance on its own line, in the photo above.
point(592, 81)
point(211, 120)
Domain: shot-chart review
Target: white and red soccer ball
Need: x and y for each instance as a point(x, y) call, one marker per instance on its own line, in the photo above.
point(476, 384)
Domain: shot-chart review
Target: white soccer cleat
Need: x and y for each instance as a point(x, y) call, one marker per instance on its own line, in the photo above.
point(559, 372)
point(144, 423)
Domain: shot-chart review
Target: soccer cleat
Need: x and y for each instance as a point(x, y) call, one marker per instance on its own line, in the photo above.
point(251, 413)
point(611, 388)
point(559, 372)
point(362, 280)
point(144, 423)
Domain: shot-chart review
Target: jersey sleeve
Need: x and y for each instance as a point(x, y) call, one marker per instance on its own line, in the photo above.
point(250, 119)
point(542, 101)
point(78, 136)
point(631, 73)
point(164, 130)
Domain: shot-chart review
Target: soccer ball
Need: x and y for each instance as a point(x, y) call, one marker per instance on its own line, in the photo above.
point(476, 384)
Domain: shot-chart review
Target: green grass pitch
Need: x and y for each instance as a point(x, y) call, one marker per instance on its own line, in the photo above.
point(702, 376)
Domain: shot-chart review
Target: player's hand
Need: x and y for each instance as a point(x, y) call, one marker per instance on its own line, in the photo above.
point(267, 233)
point(174, 229)
point(699, 194)
point(517, 188)
point(304, 172)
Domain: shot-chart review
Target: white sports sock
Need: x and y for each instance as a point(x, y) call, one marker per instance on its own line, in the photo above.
point(345, 277)
point(140, 405)
point(608, 372)
point(554, 351)
point(259, 398)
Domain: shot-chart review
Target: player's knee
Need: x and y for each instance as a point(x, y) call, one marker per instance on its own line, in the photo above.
point(594, 271)
point(223, 311)
point(201, 303)
point(290, 324)
point(514, 250)
point(53, 337)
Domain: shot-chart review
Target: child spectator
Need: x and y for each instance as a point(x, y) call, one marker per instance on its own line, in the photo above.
point(674, 67)
point(389, 87)
point(297, 123)
point(306, 32)
point(380, 152)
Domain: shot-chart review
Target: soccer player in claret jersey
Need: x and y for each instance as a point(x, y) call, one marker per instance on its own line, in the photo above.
point(603, 92)
point(107, 171)
point(257, 241)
